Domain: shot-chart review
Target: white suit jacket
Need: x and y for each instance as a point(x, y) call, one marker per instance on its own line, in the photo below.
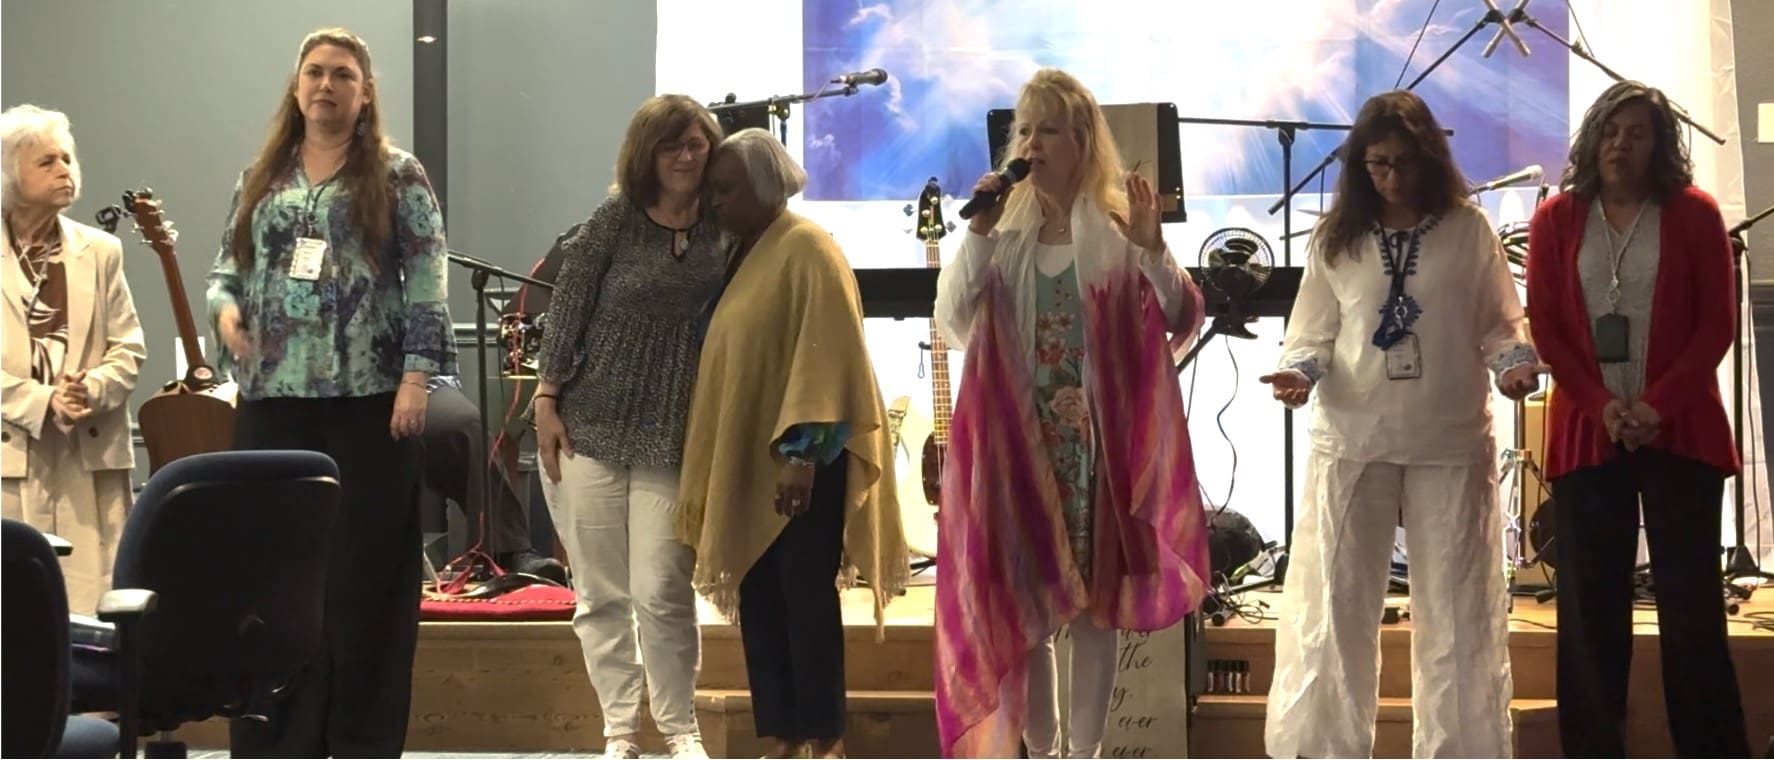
point(104, 338)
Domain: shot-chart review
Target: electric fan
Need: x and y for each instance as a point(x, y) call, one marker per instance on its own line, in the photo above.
point(1515, 249)
point(1235, 263)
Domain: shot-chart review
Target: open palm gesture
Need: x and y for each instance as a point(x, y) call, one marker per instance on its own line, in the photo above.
point(1142, 225)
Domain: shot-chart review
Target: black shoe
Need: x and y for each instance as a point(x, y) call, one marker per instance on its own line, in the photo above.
point(531, 563)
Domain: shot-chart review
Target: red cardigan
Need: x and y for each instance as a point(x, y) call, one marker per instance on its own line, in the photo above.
point(1693, 321)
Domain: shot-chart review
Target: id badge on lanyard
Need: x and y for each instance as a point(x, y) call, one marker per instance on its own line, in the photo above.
point(309, 257)
point(1404, 354)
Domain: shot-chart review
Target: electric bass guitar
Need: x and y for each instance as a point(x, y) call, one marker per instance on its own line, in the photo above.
point(193, 415)
point(921, 440)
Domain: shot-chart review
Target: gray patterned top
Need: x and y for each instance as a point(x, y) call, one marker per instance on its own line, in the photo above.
point(1638, 283)
point(624, 332)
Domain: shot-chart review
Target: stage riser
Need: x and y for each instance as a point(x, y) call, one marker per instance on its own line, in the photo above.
point(1232, 727)
point(881, 725)
point(1532, 682)
point(522, 687)
point(547, 656)
point(1534, 668)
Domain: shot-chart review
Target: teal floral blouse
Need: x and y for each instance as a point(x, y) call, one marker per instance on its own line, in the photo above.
point(355, 329)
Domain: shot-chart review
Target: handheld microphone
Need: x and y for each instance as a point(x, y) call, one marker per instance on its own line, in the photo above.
point(985, 199)
point(1527, 174)
point(870, 77)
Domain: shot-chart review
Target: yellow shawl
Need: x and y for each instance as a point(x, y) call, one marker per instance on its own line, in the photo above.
point(785, 347)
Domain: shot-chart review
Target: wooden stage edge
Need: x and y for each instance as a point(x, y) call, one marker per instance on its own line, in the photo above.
point(521, 686)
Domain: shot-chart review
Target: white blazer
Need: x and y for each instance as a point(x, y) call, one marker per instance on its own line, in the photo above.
point(104, 338)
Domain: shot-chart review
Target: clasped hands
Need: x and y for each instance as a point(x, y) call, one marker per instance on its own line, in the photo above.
point(1631, 425)
point(68, 403)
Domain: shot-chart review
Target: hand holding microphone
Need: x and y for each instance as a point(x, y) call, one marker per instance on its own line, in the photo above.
point(987, 205)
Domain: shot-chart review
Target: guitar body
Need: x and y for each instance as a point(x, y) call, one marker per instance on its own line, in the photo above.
point(912, 437)
point(194, 415)
point(178, 422)
point(934, 451)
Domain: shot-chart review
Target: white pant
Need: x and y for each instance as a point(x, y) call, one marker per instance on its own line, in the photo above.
point(1326, 689)
point(1092, 682)
point(618, 528)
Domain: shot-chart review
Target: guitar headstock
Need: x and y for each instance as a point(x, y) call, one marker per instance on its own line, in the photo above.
point(156, 231)
point(931, 226)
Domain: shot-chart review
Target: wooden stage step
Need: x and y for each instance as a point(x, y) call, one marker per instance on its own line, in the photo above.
point(1232, 726)
point(521, 687)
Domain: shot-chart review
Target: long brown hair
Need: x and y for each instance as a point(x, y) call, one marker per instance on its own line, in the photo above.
point(1440, 185)
point(659, 119)
point(366, 160)
point(1671, 169)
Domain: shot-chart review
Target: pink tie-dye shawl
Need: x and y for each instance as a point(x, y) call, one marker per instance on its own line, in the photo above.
point(1007, 578)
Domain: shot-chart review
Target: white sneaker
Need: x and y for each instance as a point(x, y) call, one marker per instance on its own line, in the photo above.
point(621, 748)
point(686, 747)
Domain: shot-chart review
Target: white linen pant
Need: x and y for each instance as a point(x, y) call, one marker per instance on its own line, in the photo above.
point(1092, 682)
point(1325, 694)
point(617, 525)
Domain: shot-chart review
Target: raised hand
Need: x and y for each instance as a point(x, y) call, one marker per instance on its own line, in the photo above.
point(1143, 225)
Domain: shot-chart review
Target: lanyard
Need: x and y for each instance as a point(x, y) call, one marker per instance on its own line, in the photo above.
point(1400, 257)
point(311, 208)
point(1617, 254)
point(1398, 252)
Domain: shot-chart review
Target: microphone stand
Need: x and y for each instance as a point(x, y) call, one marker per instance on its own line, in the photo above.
point(482, 271)
point(778, 106)
point(1285, 131)
point(1739, 563)
point(1520, 16)
point(1490, 17)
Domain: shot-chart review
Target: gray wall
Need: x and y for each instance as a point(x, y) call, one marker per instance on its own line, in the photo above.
point(1753, 22)
point(540, 95)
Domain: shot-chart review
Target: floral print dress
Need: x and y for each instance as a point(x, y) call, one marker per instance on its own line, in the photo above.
point(1060, 403)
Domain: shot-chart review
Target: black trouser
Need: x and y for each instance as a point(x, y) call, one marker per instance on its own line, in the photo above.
point(791, 624)
point(354, 701)
point(456, 469)
point(1597, 540)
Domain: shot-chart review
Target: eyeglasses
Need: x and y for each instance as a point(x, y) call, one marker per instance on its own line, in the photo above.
point(1389, 165)
point(694, 147)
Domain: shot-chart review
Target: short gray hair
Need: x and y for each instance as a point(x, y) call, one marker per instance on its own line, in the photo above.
point(23, 128)
point(774, 174)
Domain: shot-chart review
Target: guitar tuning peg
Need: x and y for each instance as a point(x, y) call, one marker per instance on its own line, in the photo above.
point(909, 210)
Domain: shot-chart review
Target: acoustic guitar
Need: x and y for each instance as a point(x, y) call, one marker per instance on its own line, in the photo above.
point(195, 414)
point(920, 486)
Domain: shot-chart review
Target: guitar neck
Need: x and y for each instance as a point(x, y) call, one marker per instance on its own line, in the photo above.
point(941, 401)
point(181, 311)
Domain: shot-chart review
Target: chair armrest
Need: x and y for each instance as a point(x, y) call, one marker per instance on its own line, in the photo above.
point(60, 545)
point(87, 631)
point(126, 607)
point(127, 604)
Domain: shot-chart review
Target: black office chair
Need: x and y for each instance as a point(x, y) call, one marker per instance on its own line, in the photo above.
point(234, 545)
point(35, 617)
